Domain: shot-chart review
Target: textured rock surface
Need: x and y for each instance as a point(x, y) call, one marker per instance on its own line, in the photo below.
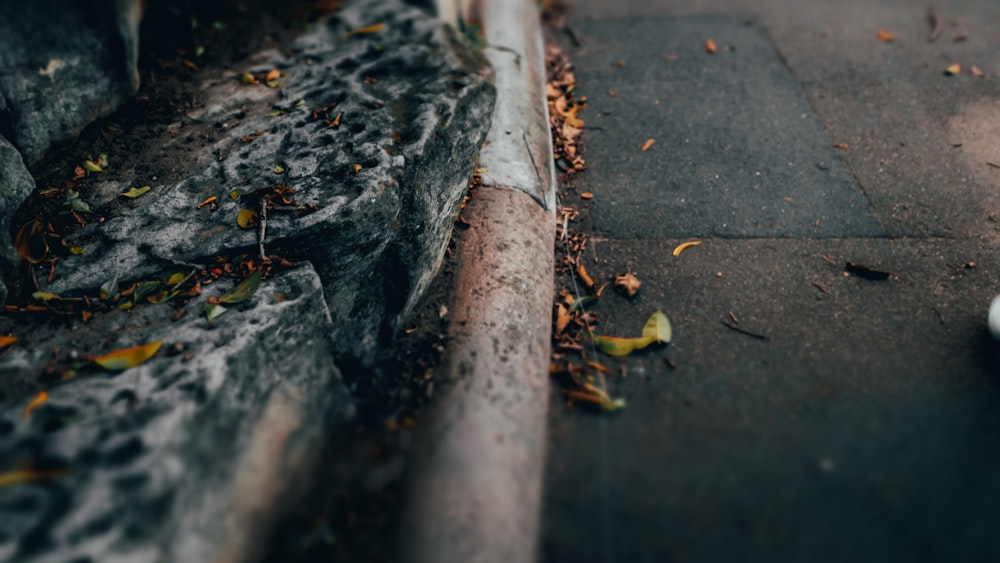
point(414, 102)
point(63, 65)
point(15, 185)
point(183, 458)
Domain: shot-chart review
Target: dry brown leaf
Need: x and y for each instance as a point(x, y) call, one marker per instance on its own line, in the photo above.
point(974, 71)
point(647, 144)
point(884, 36)
point(627, 284)
point(710, 46)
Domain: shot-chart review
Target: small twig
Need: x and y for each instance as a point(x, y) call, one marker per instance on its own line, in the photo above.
point(262, 231)
point(732, 315)
point(993, 165)
point(819, 287)
point(746, 332)
point(935, 24)
point(829, 260)
point(940, 316)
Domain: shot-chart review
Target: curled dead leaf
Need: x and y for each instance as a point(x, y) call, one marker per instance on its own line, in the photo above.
point(562, 318)
point(627, 284)
point(710, 46)
point(683, 246)
point(884, 36)
point(36, 402)
point(588, 281)
point(6, 341)
point(647, 144)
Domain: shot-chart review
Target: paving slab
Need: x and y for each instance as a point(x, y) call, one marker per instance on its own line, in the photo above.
point(738, 150)
point(864, 429)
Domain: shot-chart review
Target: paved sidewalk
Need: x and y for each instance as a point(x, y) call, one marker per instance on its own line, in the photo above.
point(863, 425)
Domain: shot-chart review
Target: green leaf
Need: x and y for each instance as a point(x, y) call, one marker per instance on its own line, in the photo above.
point(135, 192)
point(658, 328)
point(110, 287)
point(235, 195)
point(244, 290)
point(144, 290)
point(45, 296)
point(614, 346)
point(91, 166)
point(276, 113)
point(278, 169)
point(175, 278)
point(125, 358)
point(212, 310)
point(77, 250)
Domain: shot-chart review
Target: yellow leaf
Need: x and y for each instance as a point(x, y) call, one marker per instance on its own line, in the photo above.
point(44, 296)
point(614, 346)
point(26, 476)
point(953, 69)
point(175, 278)
point(135, 192)
point(248, 78)
point(681, 247)
point(375, 28)
point(39, 399)
point(91, 166)
point(126, 358)
point(658, 328)
point(77, 250)
point(247, 219)
point(6, 341)
point(278, 169)
point(647, 144)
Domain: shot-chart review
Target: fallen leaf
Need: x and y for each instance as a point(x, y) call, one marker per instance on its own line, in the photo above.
point(374, 28)
point(27, 476)
point(628, 284)
point(866, 272)
point(246, 219)
point(710, 46)
point(175, 278)
point(6, 341)
point(615, 346)
point(77, 250)
point(974, 71)
point(212, 310)
point(39, 399)
point(45, 296)
point(581, 271)
point(355, 168)
point(135, 192)
point(841, 146)
point(587, 195)
point(683, 246)
point(562, 318)
point(278, 169)
point(208, 201)
point(272, 75)
point(243, 290)
point(658, 328)
point(33, 253)
point(647, 144)
point(579, 304)
point(91, 166)
point(125, 358)
point(109, 288)
point(884, 36)
point(248, 78)
point(953, 69)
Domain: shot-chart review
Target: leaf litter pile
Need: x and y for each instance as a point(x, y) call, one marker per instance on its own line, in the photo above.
point(577, 346)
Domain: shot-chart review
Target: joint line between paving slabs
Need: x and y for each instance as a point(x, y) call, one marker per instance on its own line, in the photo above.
point(604, 472)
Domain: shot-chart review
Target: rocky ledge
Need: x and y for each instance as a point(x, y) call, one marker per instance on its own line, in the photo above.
point(344, 156)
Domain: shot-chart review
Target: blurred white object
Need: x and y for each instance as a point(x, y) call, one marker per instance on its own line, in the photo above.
point(994, 319)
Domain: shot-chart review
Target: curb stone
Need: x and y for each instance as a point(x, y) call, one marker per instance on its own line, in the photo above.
point(475, 483)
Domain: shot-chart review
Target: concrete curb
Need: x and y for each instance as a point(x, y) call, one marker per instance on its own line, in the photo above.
point(475, 482)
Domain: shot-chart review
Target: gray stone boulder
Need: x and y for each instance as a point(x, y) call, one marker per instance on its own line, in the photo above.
point(15, 185)
point(190, 456)
point(377, 134)
point(62, 65)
